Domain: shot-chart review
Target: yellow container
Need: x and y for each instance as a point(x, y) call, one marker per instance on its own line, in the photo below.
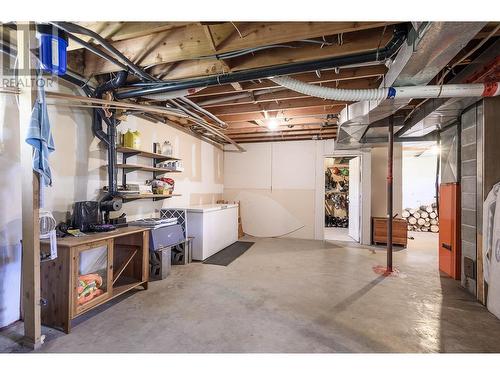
point(132, 139)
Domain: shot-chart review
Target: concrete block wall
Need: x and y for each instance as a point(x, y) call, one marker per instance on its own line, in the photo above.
point(471, 124)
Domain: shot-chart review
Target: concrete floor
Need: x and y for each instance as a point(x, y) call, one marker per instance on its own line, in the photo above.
point(289, 295)
point(337, 234)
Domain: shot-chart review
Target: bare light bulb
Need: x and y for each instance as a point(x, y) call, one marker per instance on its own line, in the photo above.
point(272, 124)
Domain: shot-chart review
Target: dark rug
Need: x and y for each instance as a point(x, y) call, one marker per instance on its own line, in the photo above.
point(228, 254)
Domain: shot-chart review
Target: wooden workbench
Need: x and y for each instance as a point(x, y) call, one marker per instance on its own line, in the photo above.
point(120, 259)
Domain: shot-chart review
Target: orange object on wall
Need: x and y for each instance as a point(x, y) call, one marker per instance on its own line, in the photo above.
point(449, 230)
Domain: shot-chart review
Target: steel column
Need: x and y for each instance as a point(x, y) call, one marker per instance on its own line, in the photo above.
point(390, 160)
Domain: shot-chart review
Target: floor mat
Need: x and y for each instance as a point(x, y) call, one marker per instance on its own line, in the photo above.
point(228, 254)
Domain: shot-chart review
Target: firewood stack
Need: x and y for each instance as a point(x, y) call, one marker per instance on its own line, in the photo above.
point(423, 219)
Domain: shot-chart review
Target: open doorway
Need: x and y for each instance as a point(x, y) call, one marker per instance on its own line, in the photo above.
point(420, 209)
point(342, 198)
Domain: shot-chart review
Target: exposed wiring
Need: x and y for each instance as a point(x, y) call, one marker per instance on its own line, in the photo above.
point(238, 30)
point(380, 40)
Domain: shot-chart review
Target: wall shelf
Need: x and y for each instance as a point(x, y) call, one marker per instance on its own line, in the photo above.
point(157, 171)
point(145, 154)
point(136, 167)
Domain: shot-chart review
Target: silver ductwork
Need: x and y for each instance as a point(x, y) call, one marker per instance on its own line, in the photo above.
point(425, 53)
point(439, 113)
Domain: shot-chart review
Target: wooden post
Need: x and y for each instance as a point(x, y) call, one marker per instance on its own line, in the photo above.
point(30, 193)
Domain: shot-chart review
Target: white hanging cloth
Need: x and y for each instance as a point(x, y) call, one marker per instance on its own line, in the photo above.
point(491, 248)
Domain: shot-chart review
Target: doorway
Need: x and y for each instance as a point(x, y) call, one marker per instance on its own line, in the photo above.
point(342, 198)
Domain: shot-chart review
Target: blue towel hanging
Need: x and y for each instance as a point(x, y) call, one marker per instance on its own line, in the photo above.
point(40, 137)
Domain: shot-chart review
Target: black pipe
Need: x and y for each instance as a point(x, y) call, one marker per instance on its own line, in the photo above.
point(390, 159)
point(108, 138)
point(98, 114)
point(255, 74)
point(74, 28)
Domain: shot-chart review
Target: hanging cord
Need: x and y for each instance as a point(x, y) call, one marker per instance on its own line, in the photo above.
point(238, 30)
point(380, 41)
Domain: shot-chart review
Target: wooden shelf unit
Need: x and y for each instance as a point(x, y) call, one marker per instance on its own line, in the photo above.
point(157, 171)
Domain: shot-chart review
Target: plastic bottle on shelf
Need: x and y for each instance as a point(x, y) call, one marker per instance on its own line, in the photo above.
point(128, 140)
point(167, 148)
point(136, 140)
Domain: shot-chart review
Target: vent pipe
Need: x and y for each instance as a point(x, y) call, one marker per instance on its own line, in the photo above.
point(410, 92)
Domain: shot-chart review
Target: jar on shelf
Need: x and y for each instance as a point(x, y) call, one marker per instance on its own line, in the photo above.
point(167, 148)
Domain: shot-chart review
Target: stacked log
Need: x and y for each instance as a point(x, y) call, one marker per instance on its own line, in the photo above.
point(422, 219)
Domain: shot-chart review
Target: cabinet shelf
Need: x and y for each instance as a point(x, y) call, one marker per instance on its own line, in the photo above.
point(145, 154)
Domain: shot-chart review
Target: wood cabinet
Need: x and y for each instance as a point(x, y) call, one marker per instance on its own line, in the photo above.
point(90, 271)
point(399, 231)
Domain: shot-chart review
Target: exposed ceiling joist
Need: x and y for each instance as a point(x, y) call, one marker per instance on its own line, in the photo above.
point(285, 129)
point(191, 42)
point(290, 113)
point(286, 138)
point(255, 34)
point(301, 103)
point(116, 31)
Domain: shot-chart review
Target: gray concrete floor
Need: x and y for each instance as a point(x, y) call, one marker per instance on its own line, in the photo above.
point(288, 295)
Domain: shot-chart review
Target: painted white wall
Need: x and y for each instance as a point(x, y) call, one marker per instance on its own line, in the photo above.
point(275, 183)
point(78, 174)
point(379, 181)
point(10, 212)
point(281, 187)
point(419, 179)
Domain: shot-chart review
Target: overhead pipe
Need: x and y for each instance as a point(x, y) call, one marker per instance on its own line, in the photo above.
point(279, 70)
point(201, 122)
point(98, 52)
point(74, 28)
point(203, 111)
point(243, 95)
point(410, 92)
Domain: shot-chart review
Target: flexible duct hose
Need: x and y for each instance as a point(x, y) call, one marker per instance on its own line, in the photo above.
point(410, 92)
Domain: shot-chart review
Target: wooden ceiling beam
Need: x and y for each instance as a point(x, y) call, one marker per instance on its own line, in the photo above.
point(256, 34)
point(191, 42)
point(325, 76)
point(289, 121)
point(286, 129)
point(116, 31)
point(278, 138)
point(300, 103)
point(353, 43)
point(290, 113)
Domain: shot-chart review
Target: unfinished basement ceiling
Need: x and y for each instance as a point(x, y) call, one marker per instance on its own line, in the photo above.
point(252, 110)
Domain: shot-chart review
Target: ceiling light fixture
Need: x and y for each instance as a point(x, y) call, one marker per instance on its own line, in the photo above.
point(272, 124)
